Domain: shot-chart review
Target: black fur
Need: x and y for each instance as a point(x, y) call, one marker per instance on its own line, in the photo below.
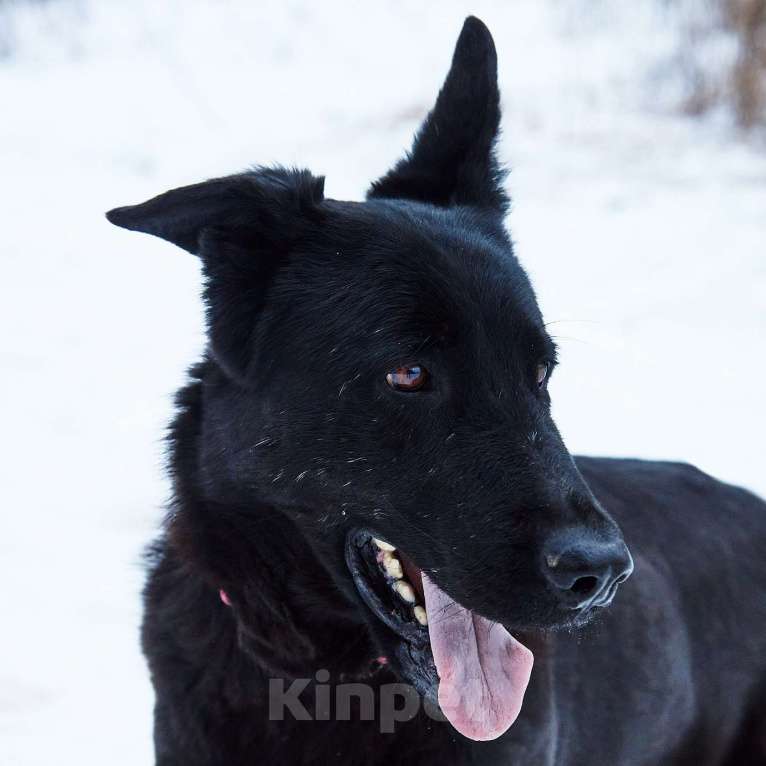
point(287, 438)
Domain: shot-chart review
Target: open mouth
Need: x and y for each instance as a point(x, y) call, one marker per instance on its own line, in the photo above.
point(395, 597)
point(473, 668)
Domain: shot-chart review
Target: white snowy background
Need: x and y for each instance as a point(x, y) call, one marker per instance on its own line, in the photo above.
point(643, 232)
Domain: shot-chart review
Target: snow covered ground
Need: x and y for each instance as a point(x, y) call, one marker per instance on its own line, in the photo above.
point(643, 233)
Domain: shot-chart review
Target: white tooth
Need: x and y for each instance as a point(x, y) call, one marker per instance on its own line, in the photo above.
point(384, 546)
point(392, 565)
point(420, 615)
point(404, 589)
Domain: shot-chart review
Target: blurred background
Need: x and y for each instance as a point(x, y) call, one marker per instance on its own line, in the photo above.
point(637, 141)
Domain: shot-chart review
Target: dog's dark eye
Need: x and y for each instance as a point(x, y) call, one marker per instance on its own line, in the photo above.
point(407, 378)
point(542, 373)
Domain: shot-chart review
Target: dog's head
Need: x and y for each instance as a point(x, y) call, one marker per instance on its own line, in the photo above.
point(382, 372)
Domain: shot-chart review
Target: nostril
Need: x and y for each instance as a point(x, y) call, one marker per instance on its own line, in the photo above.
point(584, 571)
point(584, 586)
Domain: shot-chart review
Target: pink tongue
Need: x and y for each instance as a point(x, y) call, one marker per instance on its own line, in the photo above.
point(483, 670)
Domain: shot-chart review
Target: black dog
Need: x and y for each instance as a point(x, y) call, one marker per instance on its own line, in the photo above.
point(376, 377)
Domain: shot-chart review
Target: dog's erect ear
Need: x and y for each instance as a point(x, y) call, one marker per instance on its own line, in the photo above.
point(265, 204)
point(452, 161)
point(242, 227)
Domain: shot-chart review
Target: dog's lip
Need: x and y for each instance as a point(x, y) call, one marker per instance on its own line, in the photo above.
point(376, 592)
point(413, 648)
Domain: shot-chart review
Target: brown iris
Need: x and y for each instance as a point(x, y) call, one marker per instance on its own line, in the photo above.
point(410, 378)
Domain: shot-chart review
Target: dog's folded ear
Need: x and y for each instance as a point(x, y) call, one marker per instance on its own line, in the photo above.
point(265, 204)
point(242, 227)
point(452, 161)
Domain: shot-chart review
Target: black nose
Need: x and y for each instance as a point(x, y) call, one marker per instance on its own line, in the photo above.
point(586, 572)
